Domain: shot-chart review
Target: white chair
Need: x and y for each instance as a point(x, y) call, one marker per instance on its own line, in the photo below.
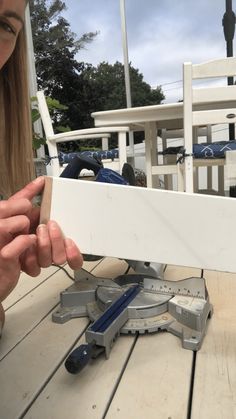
point(81, 134)
point(167, 164)
point(206, 106)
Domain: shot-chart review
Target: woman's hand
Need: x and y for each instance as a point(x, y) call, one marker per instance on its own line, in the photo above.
point(51, 247)
point(20, 250)
point(14, 241)
point(10, 263)
point(29, 192)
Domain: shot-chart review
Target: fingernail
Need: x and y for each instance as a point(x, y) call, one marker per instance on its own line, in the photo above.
point(53, 225)
point(42, 229)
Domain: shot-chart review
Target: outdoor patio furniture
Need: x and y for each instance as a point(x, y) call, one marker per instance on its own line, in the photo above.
point(82, 135)
point(165, 116)
point(205, 153)
point(202, 117)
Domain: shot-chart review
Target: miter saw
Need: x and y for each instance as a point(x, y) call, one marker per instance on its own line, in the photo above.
point(134, 304)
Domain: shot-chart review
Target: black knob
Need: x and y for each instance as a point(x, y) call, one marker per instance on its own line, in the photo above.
point(80, 357)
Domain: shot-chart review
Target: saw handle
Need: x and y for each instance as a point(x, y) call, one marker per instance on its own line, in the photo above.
point(79, 358)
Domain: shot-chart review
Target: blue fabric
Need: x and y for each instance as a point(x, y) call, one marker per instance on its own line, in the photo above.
point(206, 150)
point(214, 150)
point(110, 176)
point(100, 155)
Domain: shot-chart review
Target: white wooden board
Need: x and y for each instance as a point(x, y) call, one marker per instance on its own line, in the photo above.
point(144, 224)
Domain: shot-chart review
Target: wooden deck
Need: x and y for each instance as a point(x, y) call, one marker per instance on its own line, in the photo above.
point(149, 376)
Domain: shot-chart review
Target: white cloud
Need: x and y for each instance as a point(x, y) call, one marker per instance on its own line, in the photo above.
point(162, 34)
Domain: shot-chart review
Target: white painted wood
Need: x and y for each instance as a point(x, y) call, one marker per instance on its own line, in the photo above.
point(214, 383)
point(215, 68)
point(147, 224)
point(164, 169)
point(30, 364)
point(230, 168)
point(201, 95)
point(33, 308)
point(83, 137)
point(136, 115)
point(188, 131)
point(205, 115)
point(37, 344)
point(214, 117)
point(26, 284)
point(149, 387)
point(149, 133)
point(168, 116)
point(82, 134)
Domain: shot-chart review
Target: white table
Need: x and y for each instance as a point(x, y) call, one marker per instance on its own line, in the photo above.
point(149, 376)
point(149, 119)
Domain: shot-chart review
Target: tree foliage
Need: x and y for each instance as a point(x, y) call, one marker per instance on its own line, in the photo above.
point(80, 86)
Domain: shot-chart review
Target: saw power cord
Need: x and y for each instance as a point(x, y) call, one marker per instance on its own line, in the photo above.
point(65, 270)
point(72, 278)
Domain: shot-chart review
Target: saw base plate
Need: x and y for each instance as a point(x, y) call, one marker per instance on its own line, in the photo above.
point(179, 307)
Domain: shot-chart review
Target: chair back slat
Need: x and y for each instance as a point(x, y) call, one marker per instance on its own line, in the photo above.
point(206, 106)
point(215, 68)
point(218, 116)
point(214, 94)
point(44, 113)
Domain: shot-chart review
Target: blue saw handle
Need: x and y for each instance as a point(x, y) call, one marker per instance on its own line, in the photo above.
point(79, 358)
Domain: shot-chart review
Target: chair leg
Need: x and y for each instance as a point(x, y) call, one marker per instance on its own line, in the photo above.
point(221, 188)
point(105, 143)
point(150, 151)
point(189, 174)
point(180, 177)
point(122, 149)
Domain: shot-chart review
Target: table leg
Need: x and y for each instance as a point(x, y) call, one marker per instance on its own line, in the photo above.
point(150, 150)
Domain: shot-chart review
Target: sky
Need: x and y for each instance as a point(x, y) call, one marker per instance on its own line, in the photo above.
point(162, 34)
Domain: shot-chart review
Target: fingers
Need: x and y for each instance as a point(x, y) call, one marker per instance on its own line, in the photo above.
point(34, 218)
point(53, 248)
point(14, 225)
point(11, 208)
point(29, 262)
point(30, 190)
point(44, 246)
point(73, 255)
point(57, 242)
point(17, 247)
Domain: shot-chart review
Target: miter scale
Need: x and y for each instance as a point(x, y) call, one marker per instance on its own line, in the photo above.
point(133, 304)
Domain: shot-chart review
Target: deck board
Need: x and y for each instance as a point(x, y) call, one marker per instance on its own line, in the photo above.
point(150, 386)
point(34, 345)
point(214, 394)
point(146, 376)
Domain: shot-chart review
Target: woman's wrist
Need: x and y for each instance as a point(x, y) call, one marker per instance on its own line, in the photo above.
point(2, 318)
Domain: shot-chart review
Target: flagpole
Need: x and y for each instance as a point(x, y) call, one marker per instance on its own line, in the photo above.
point(126, 69)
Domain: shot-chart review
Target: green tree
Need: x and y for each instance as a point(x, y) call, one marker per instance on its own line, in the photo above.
point(55, 46)
point(80, 86)
point(107, 82)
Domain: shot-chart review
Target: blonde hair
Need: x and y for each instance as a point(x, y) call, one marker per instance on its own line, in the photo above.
point(16, 155)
